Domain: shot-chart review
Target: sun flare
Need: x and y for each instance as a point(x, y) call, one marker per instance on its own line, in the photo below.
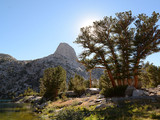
point(87, 22)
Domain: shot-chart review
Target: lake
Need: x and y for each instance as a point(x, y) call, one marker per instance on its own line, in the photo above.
point(15, 111)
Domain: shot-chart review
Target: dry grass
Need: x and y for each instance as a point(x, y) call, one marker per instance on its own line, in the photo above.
point(87, 102)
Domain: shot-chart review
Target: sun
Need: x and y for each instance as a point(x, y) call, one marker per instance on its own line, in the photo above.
point(87, 21)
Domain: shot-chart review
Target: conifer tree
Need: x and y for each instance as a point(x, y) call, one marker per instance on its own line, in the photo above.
point(150, 75)
point(120, 44)
point(54, 80)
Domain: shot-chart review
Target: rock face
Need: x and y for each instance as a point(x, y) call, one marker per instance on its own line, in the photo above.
point(16, 76)
point(65, 50)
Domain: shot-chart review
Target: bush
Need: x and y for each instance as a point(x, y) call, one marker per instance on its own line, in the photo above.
point(104, 81)
point(106, 87)
point(73, 114)
point(53, 81)
point(118, 91)
point(77, 85)
point(29, 92)
point(87, 83)
point(95, 83)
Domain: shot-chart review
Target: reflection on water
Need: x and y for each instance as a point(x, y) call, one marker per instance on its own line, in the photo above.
point(13, 111)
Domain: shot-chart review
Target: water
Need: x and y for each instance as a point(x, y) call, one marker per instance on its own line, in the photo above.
point(13, 111)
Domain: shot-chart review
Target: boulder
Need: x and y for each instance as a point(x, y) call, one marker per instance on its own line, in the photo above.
point(70, 94)
point(129, 91)
point(92, 91)
point(138, 92)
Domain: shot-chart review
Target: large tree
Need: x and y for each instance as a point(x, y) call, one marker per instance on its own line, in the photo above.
point(119, 44)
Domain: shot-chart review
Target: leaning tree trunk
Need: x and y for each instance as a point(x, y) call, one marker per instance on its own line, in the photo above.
point(111, 78)
point(119, 81)
point(135, 74)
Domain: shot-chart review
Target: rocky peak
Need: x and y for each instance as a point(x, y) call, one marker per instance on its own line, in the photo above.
point(65, 50)
point(6, 57)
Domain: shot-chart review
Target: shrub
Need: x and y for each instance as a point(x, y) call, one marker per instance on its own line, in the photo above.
point(87, 83)
point(53, 81)
point(118, 91)
point(72, 114)
point(29, 92)
point(77, 85)
point(104, 81)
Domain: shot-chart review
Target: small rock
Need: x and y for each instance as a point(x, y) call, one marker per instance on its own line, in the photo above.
point(91, 100)
point(98, 100)
point(100, 106)
point(158, 92)
point(42, 105)
point(79, 103)
point(99, 96)
point(86, 99)
point(151, 94)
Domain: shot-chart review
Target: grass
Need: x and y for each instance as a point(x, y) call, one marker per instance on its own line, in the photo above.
point(125, 110)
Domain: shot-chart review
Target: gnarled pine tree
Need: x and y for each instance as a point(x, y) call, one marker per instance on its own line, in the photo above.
point(119, 44)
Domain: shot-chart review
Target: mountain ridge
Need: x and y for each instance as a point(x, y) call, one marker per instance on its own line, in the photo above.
point(18, 75)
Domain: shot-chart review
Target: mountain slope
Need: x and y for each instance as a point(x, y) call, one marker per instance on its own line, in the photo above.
point(16, 76)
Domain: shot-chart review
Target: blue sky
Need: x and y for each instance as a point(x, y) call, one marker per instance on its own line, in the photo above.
point(31, 29)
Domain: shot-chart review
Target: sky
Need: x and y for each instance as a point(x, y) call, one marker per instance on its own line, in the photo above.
point(31, 29)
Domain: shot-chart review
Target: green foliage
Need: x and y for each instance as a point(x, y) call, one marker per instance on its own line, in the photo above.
point(126, 110)
point(150, 75)
point(119, 46)
point(104, 81)
point(29, 92)
point(118, 91)
point(77, 85)
point(53, 81)
point(87, 83)
point(95, 83)
point(72, 114)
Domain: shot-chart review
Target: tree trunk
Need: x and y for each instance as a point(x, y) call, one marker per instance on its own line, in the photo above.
point(90, 79)
point(56, 93)
point(136, 76)
point(136, 81)
point(108, 71)
point(111, 78)
point(129, 81)
point(119, 81)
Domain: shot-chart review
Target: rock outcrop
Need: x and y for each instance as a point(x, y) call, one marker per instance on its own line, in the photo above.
point(16, 76)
